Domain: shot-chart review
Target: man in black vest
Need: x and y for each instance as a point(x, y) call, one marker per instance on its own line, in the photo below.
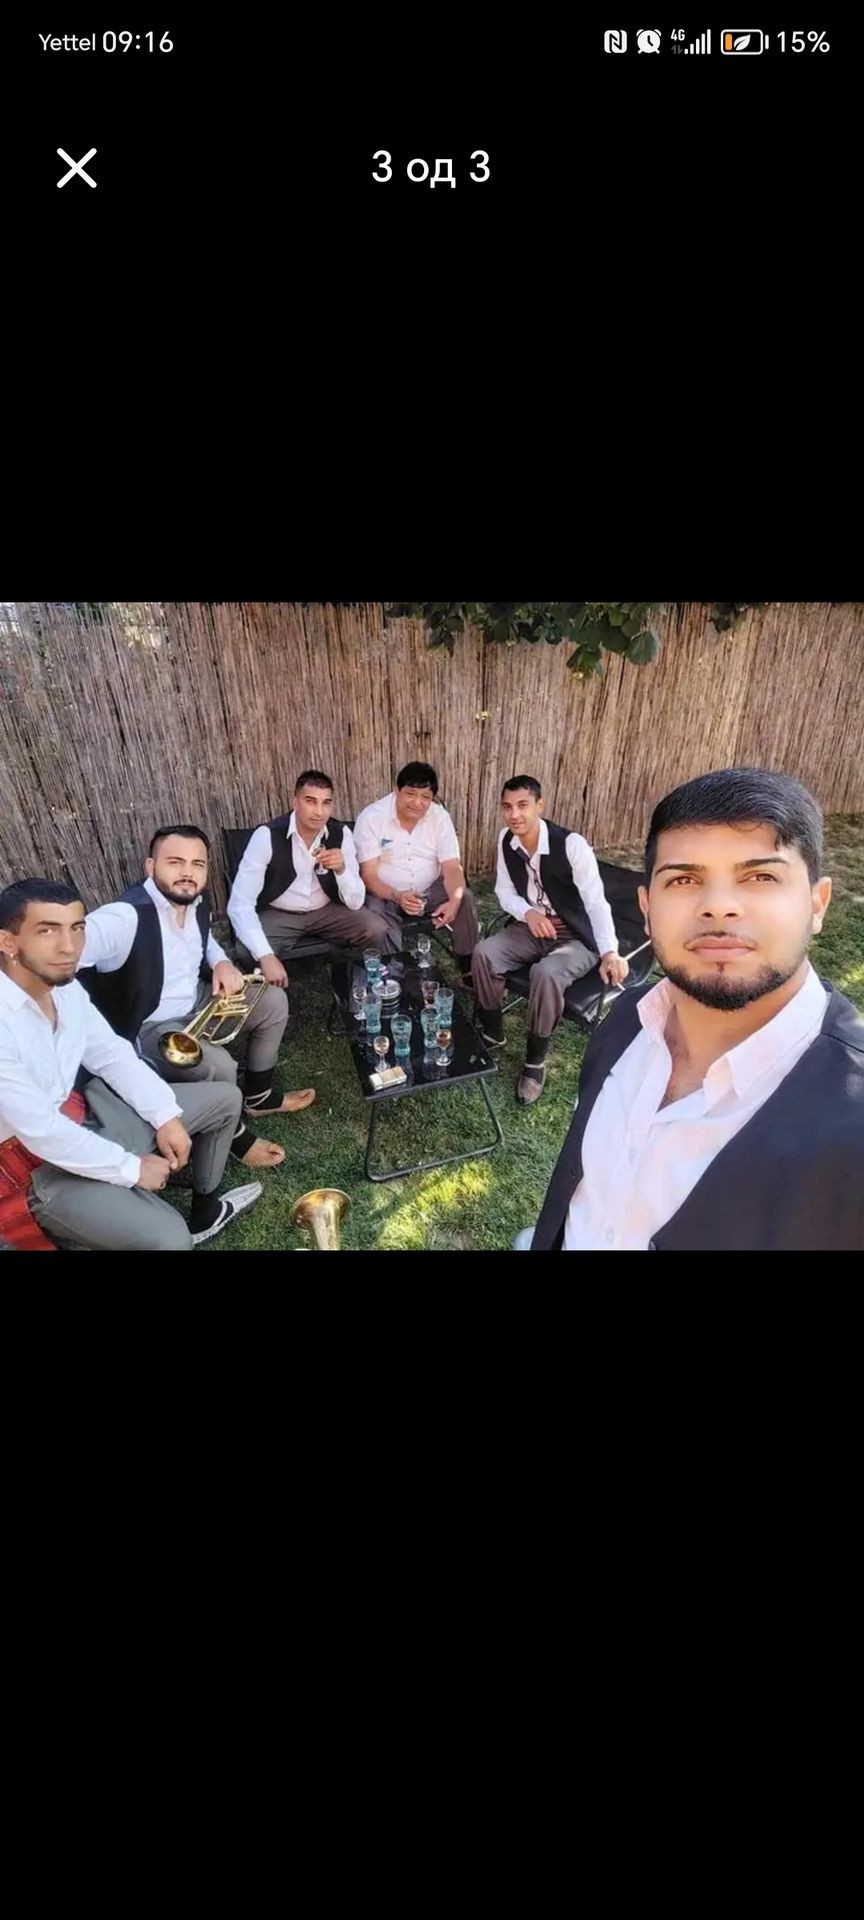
point(549, 882)
point(298, 876)
point(723, 1107)
point(151, 959)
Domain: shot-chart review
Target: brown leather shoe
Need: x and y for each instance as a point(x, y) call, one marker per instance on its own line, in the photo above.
point(531, 1083)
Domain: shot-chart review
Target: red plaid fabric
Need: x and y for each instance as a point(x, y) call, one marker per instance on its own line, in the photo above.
point(17, 1225)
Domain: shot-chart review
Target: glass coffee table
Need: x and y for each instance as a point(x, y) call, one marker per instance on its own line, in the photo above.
point(468, 1062)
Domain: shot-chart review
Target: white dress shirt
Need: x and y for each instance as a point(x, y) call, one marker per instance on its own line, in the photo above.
point(410, 859)
point(586, 876)
point(38, 1065)
point(640, 1163)
point(305, 893)
point(110, 934)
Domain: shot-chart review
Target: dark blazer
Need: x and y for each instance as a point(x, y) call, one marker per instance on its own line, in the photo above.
point(792, 1178)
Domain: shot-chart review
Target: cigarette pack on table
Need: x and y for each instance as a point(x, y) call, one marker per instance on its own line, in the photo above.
point(387, 1077)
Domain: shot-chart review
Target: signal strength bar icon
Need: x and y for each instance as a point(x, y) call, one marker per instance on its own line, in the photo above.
point(702, 45)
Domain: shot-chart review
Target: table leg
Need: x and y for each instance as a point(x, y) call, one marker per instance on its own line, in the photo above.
point(427, 1166)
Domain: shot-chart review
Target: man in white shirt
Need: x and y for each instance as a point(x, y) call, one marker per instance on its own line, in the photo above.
point(151, 960)
point(549, 882)
point(725, 1106)
point(299, 876)
point(411, 865)
point(88, 1169)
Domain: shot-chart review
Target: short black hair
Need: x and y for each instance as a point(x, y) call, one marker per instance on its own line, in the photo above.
point(418, 773)
point(15, 900)
point(523, 780)
point(186, 832)
point(312, 778)
point(739, 796)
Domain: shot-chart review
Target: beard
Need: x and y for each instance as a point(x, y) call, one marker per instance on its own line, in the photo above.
point(723, 991)
point(179, 898)
point(61, 972)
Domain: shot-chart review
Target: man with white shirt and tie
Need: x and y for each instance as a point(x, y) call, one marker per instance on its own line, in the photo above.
point(723, 1107)
point(410, 861)
point(151, 959)
point(549, 882)
point(299, 876)
point(84, 1170)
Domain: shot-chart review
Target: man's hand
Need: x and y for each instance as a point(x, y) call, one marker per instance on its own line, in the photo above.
point(273, 970)
point(333, 861)
point(538, 924)
point(614, 969)
point(412, 903)
point(173, 1141)
point(445, 916)
point(154, 1173)
point(227, 978)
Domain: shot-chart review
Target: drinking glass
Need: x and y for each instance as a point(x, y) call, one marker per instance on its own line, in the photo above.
point(400, 1027)
point(373, 1014)
point(429, 1022)
point(424, 947)
point(444, 1004)
point(359, 995)
point(443, 1036)
point(372, 963)
point(381, 1044)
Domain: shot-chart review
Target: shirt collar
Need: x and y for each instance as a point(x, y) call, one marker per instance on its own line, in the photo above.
point(11, 995)
point(746, 1063)
point(542, 847)
point(14, 998)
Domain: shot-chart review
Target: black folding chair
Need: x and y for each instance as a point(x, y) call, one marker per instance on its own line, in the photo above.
point(586, 1000)
point(308, 949)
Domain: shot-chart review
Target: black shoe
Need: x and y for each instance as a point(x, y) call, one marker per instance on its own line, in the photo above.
point(230, 1204)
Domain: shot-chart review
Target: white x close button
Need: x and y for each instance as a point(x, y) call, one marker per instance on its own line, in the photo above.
point(76, 166)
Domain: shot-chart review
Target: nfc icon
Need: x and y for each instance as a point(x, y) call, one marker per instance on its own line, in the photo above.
point(615, 41)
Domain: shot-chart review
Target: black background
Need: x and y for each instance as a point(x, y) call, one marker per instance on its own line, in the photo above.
point(637, 339)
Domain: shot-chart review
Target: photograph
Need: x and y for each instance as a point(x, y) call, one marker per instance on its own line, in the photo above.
point(431, 926)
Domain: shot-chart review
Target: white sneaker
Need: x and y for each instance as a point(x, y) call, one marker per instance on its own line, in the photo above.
point(230, 1204)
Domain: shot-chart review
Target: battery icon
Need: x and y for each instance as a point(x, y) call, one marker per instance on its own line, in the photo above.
point(742, 40)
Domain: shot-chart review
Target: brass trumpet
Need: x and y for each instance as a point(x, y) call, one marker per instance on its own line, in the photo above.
point(322, 1210)
point(183, 1048)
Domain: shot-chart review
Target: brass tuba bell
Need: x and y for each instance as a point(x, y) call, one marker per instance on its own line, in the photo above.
point(322, 1210)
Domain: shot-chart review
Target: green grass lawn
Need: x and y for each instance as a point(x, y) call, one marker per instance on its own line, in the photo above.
point(480, 1203)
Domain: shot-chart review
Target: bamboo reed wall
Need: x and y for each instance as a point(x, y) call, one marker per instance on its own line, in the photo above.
point(112, 723)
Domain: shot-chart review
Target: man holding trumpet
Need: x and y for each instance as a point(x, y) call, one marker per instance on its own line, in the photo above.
point(150, 962)
point(85, 1171)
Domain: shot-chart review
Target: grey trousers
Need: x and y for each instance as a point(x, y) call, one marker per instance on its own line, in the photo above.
point(265, 1026)
point(555, 963)
point(353, 927)
point(79, 1214)
point(464, 929)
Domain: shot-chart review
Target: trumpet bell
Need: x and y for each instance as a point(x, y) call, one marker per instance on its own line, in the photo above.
point(322, 1210)
point(179, 1049)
